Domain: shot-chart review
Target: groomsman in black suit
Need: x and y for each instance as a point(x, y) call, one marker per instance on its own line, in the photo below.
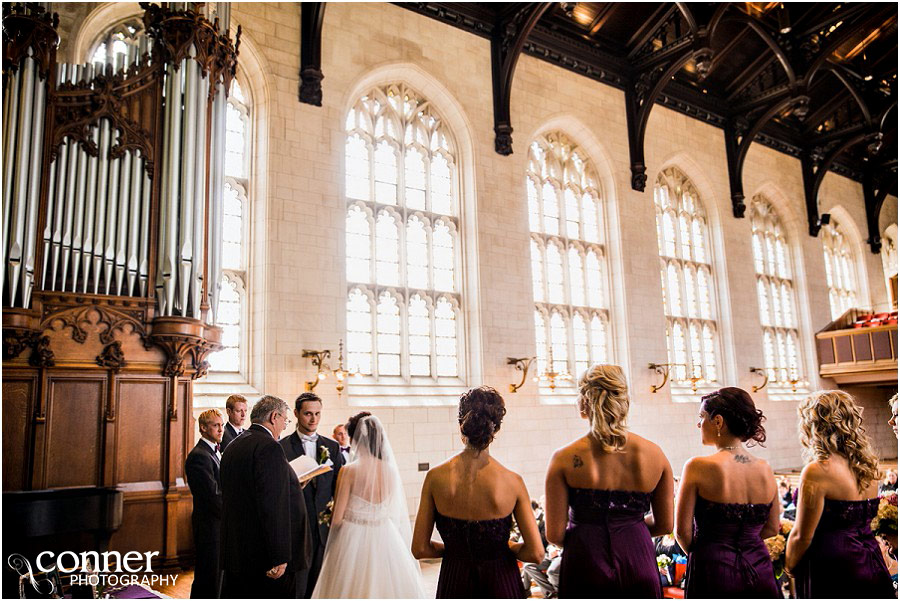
point(258, 535)
point(317, 494)
point(236, 408)
point(202, 472)
point(343, 439)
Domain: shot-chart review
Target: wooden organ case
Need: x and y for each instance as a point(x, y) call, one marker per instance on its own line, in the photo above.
point(112, 208)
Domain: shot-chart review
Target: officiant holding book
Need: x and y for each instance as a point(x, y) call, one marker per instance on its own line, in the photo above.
point(320, 490)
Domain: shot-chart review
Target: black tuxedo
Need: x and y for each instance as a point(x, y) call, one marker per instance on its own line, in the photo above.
point(228, 434)
point(202, 472)
point(317, 494)
point(256, 517)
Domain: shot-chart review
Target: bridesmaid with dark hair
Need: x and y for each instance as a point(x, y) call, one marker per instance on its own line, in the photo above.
point(599, 491)
point(472, 498)
point(728, 504)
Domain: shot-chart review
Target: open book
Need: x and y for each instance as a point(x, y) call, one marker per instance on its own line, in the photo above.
point(306, 468)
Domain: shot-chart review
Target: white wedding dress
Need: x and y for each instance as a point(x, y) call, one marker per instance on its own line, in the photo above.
point(368, 553)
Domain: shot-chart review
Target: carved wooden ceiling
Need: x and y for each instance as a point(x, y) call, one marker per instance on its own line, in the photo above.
point(817, 81)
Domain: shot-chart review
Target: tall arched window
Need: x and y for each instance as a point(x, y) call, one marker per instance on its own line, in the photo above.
point(775, 291)
point(687, 280)
point(568, 259)
point(889, 262)
point(233, 311)
point(840, 270)
point(403, 254)
point(123, 39)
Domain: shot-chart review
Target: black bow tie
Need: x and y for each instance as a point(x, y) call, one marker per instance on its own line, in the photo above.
point(345, 449)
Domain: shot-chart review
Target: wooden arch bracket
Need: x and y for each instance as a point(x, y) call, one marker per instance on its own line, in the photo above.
point(312, 16)
point(508, 38)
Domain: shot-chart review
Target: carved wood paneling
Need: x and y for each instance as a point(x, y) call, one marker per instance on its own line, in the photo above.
point(73, 430)
point(18, 408)
point(140, 435)
point(143, 523)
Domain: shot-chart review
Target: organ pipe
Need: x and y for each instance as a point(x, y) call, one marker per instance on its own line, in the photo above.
point(126, 159)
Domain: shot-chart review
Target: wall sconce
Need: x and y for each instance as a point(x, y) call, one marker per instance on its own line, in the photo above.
point(318, 361)
point(548, 375)
point(340, 374)
point(523, 364)
point(765, 373)
point(663, 370)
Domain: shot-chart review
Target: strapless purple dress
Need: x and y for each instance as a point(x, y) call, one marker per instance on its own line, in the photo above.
point(728, 558)
point(607, 551)
point(477, 560)
point(844, 560)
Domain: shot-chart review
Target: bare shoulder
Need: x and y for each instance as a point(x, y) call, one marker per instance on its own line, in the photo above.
point(815, 471)
point(564, 455)
point(644, 446)
point(699, 467)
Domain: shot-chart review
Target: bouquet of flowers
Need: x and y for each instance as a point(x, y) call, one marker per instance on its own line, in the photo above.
point(325, 514)
point(885, 522)
point(777, 545)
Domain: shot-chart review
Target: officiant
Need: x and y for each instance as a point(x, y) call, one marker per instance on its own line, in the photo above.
point(320, 491)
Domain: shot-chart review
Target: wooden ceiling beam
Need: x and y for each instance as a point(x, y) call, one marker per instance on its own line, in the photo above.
point(603, 15)
point(645, 32)
point(312, 15)
point(507, 40)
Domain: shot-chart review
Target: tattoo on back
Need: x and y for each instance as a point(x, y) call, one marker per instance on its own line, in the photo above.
point(577, 462)
point(742, 458)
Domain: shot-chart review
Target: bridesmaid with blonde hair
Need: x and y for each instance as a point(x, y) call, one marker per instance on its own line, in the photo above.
point(832, 551)
point(599, 489)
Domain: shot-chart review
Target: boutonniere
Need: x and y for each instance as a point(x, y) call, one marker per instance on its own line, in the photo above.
point(324, 455)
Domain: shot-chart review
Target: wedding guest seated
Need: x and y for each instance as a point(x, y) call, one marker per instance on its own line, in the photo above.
point(831, 550)
point(607, 481)
point(889, 484)
point(472, 498)
point(728, 503)
point(537, 572)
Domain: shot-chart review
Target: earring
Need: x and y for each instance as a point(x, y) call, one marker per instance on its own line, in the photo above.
point(718, 433)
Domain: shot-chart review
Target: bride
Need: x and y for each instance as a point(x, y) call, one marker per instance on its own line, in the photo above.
point(368, 550)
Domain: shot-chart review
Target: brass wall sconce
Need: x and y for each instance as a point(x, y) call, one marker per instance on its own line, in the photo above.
point(318, 361)
point(340, 374)
point(663, 370)
point(765, 374)
point(523, 364)
point(550, 376)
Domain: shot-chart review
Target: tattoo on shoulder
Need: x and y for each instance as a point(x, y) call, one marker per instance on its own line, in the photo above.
point(577, 462)
point(742, 458)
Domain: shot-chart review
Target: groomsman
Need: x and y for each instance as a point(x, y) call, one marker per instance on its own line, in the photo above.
point(343, 439)
point(318, 493)
point(236, 408)
point(258, 536)
point(202, 472)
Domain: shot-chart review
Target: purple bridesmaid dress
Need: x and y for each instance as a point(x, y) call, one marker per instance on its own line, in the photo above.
point(607, 551)
point(477, 560)
point(728, 558)
point(844, 559)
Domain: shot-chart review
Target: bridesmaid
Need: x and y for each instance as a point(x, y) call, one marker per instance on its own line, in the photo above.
point(472, 499)
point(831, 551)
point(728, 503)
point(608, 480)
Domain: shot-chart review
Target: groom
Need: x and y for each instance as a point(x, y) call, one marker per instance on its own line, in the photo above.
point(305, 441)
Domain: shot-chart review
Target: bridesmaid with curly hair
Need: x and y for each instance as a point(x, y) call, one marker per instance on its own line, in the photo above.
point(832, 551)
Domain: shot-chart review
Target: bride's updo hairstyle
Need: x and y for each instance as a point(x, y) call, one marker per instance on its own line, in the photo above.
point(741, 416)
point(356, 424)
point(603, 398)
point(481, 411)
point(831, 424)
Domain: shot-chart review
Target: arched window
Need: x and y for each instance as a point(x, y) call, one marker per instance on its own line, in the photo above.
point(568, 258)
point(840, 270)
point(775, 291)
point(889, 262)
point(233, 311)
point(121, 40)
point(687, 280)
point(403, 252)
